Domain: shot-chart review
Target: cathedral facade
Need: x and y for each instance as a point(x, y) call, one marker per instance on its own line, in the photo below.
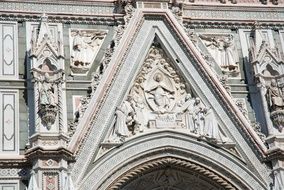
point(142, 95)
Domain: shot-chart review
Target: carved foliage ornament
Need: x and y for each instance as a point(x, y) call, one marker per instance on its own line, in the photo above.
point(159, 99)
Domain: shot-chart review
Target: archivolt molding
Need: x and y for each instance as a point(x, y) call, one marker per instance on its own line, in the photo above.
point(172, 162)
point(169, 143)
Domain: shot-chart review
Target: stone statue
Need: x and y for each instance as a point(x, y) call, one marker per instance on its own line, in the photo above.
point(274, 96)
point(211, 128)
point(198, 117)
point(124, 118)
point(47, 92)
point(139, 117)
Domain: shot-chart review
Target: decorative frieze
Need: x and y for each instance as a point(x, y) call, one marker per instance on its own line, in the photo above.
point(233, 14)
point(9, 172)
point(38, 7)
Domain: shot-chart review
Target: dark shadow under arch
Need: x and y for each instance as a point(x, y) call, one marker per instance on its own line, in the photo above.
point(175, 165)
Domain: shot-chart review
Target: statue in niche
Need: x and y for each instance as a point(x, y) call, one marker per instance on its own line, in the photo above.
point(47, 94)
point(47, 81)
point(223, 50)
point(274, 96)
point(160, 94)
point(124, 119)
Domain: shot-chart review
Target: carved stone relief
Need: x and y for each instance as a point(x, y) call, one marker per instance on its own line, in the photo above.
point(128, 10)
point(160, 99)
point(222, 49)
point(240, 102)
point(85, 45)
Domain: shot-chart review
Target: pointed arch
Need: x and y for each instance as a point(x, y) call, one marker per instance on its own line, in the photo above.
point(116, 84)
point(168, 148)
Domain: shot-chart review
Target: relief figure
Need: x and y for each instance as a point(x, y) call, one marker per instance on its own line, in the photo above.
point(124, 118)
point(161, 94)
point(198, 117)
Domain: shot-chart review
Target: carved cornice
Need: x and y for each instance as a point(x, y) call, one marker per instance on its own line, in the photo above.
point(18, 161)
point(275, 154)
point(171, 162)
point(39, 152)
point(63, 18)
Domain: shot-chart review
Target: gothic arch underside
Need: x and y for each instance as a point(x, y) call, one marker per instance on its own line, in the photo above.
point(174, 156)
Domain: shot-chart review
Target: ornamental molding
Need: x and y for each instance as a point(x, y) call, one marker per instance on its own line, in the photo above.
point(120, 160)
point(80, 19)
point(170, 162)
point(58, 7)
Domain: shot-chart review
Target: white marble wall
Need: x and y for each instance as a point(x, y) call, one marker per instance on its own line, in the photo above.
point(9, 121)
point(8, 50)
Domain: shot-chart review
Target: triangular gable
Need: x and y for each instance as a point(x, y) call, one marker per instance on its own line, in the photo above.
point(122, 71)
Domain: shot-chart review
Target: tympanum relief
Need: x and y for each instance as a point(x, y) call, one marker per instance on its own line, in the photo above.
point(160, 99)
point(222, 49)
point(85, 45)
